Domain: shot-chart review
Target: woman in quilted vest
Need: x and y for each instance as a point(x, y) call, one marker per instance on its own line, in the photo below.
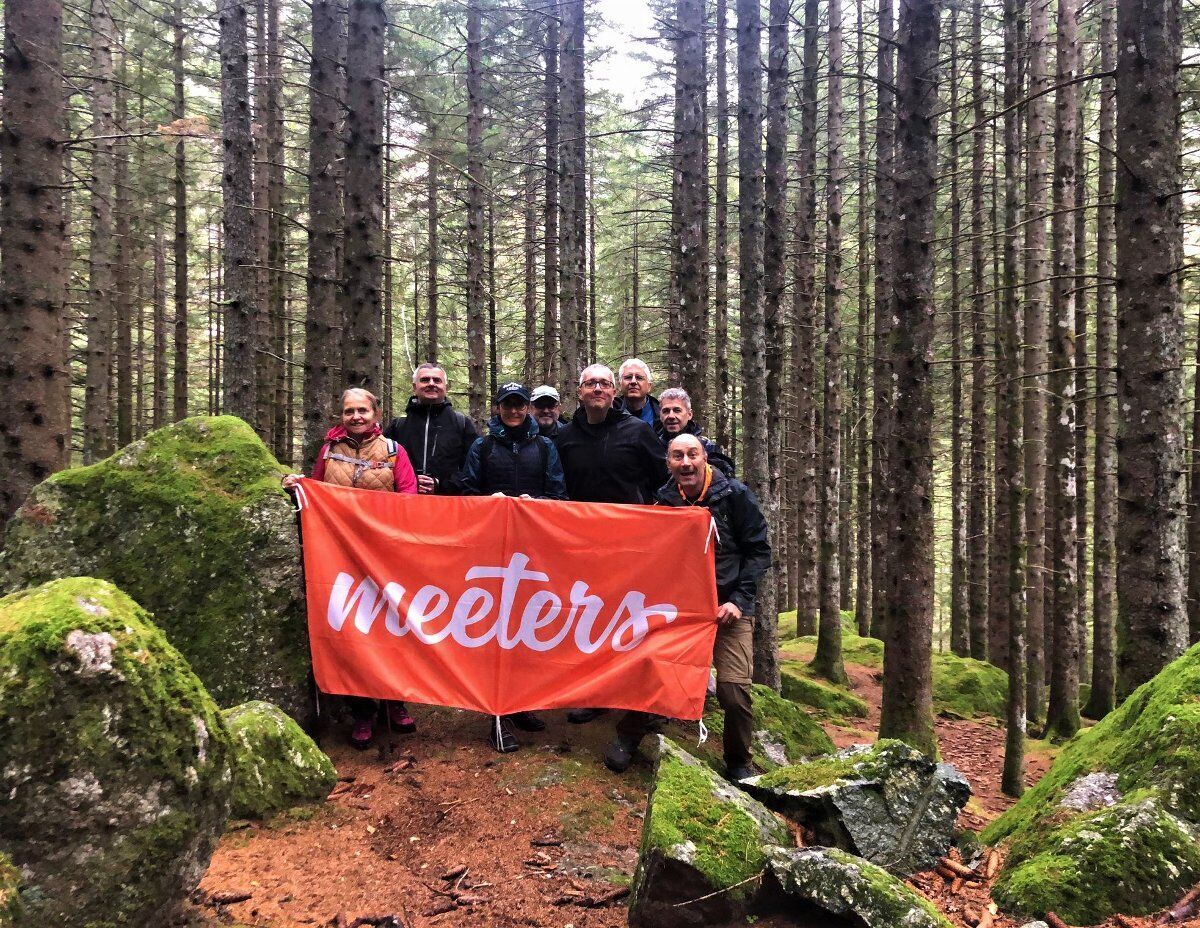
point(356, 454)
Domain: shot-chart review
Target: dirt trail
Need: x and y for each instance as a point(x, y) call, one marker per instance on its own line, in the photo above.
point(540, 832)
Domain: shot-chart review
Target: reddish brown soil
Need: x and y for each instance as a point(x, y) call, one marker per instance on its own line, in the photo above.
point(541, 833)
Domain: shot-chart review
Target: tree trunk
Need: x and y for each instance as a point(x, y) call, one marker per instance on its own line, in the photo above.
point(238, 253)
point(1082, 367)
point(691, 261)
point(551, 369)
point(531, 372)
point(33, 267)
point(323, 321)
point(158, 414)
point(572, 219)
point(907, 670)
point(432, 221)
point(179, 408)
point(721, 234)
point(753, 325)
point(101, 314)
point(126, 254)
point(1037, 291)
point(827, 661)
point(1151, 620)
point(476, 296)
point(862, 494)
point(882, 421)
point(1104, 497)
point(1062, 718)
point(804, 266)
point(1010, 469)
point(362, 342)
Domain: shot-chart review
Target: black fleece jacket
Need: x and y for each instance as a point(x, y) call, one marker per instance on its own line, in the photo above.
point(743, 550)
point(618, 460)
point(437, 439)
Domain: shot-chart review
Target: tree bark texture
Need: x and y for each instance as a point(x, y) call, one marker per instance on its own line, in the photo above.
point(1151, 618)
point(907, 672)
point(476, 287)
point(179, 390)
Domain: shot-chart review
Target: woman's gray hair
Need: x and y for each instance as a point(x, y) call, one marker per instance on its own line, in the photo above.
point(676, 393)
point(374, 400)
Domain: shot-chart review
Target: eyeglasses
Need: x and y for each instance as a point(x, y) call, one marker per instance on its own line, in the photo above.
point(545, 404)
point(598, 385)
point(634, 377)
point(514, 402)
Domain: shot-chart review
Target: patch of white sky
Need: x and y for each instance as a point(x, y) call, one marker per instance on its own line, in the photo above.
point(626, 69)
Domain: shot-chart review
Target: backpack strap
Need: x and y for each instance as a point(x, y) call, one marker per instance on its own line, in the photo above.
point(485, 452)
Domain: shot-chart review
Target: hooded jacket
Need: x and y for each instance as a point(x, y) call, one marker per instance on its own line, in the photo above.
point(618, 460)
point(716, 456)
point(436, 438)
point(372, 451)
point(498, 464)
point(743, 550)
point(620, 403)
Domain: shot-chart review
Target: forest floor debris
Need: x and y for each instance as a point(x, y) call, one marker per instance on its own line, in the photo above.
point(444, 832)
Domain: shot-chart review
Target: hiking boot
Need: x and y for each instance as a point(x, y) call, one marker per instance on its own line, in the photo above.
point(362, 734)
point(527, 721)
point(399, 718)
point(501, 737)
point(737, 774)
point(583, 716)
point(619, 755)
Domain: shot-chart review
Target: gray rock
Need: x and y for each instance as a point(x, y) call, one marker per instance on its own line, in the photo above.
point(191, 522)
point(1094, 791)
point(1035, 925)
point(887, 803)
point(846, 886)
point(114, 762)
point(702, 837)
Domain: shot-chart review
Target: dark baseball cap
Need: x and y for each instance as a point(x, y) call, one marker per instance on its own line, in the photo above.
point(512, 389)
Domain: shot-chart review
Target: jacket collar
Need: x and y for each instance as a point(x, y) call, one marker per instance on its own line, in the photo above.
point(415, 406)
point(339, 433)
point(498, 431)
point(614, 415)
point(669, 495)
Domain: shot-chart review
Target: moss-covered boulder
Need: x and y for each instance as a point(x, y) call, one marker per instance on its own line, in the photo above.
point(828, 699)
point(10, 887)
point(887, 803)
point(965, 688)
point(783, 732)
point(853, 891)
point(701, 835)
point(114, 761)
point(867, 652)
point(191, 522)
point(1150, 749)
point(275, 764)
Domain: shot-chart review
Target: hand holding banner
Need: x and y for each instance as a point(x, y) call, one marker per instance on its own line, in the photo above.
point(503, 605)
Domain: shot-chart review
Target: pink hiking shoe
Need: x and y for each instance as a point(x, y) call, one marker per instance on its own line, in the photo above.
point(362, 734)
point(400, 719)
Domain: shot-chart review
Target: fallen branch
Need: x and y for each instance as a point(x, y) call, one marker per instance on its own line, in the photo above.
point(749, 879)
point(993, 865)
point(546, 842)
point(959, 870)
point(230, 897)
point(1184, 909)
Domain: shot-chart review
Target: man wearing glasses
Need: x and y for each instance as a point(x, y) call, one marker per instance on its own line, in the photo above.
point(635, 385)
point(608, 456)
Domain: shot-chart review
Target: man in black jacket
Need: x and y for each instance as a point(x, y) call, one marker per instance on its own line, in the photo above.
point(608, 456)
point(675, 418)
point(435, 435)
point(743, 556)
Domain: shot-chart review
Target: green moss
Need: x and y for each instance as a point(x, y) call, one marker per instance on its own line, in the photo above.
point(825, 771)
point(965, 688)
point(1152, 740)
point(682, 809)
point(10, 886)
point(117, 760)
point(789, 726)
point(867, 652)
point(192, 523)
point(1132, 858)
point(276, 765)
point(894, 900)
point(833, 701)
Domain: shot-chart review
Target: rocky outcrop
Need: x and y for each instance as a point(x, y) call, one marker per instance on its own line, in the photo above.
point(834, 883)
point(275, 764)
point(1113, 826)
point(702, 837)
point(887, 803)
point(114, 761)
point(191, 522)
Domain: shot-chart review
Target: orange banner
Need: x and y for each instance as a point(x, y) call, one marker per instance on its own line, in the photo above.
point(503, 605)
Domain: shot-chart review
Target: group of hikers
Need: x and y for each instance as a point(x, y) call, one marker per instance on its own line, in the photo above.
point(622, 445)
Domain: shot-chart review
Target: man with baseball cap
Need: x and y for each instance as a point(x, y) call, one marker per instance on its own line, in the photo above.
point(547, 409)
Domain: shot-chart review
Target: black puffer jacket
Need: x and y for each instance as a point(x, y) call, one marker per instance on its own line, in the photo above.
point(498, 464)
point(437, 439)
point(743, 550)
point(716, 456)
point(618, 460)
